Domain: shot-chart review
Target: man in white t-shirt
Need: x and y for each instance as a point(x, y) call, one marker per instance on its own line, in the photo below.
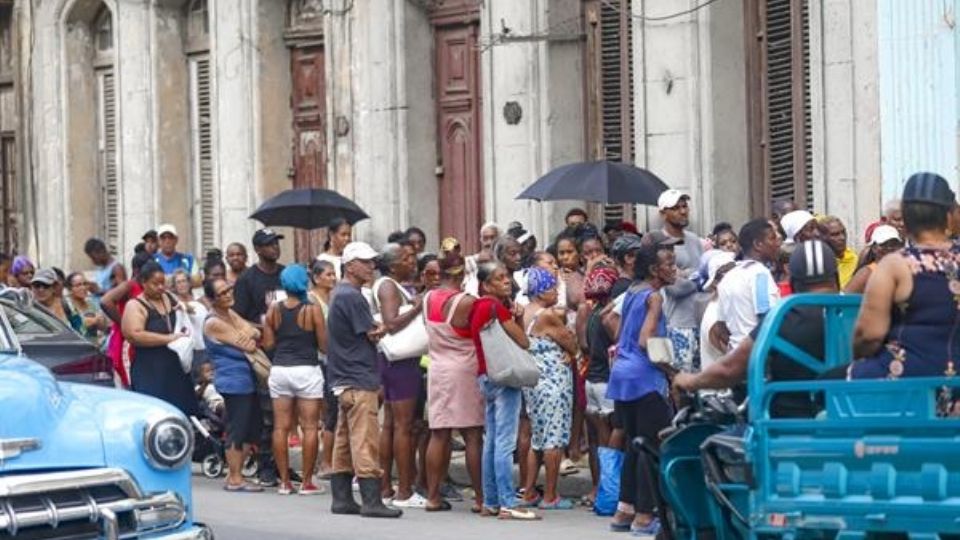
point(748, 290)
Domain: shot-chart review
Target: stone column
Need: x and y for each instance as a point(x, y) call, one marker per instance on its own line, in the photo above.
point(233, 51)
point(135, 100)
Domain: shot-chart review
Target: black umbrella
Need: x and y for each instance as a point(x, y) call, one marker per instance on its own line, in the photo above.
point(310, 208)
point(597, 181)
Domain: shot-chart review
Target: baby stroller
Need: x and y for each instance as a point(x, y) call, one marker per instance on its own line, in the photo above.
point(209, 449)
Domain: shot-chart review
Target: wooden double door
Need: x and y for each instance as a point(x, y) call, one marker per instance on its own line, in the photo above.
point(308, 105)
point(457, 76)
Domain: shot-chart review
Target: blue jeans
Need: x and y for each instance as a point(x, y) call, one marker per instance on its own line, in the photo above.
point(502, 423)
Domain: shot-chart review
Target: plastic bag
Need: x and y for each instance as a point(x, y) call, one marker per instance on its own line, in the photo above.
point(608, 491)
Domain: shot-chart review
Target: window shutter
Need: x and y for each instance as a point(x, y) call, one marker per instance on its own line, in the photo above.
point(9, 197)
point(616, 88)
point(202, 134)
point(108, 180)
point(785, 88)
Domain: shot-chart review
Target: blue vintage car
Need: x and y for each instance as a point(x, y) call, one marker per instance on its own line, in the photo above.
point(81, 461)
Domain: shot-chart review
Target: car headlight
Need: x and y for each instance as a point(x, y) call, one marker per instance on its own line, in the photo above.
point(168, 442)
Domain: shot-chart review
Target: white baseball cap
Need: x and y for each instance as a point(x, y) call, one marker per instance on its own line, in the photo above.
point(793, 222)
point(883, 234)
point(358, 251)
point(166, 228)
point(670, 198)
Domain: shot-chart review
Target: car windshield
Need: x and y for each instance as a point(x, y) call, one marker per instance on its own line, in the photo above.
point(11, 300)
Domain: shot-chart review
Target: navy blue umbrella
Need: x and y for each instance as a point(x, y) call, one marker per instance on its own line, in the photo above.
point(307, 208)
point(605, 182)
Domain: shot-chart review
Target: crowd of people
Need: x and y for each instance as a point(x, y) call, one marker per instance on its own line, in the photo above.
point(616, 321)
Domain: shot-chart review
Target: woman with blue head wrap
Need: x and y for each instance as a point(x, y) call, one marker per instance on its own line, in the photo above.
point(296, 331)
point(295, 281)
point(550, 403)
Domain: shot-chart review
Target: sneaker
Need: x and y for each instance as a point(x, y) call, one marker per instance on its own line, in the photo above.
point(415, 501)
point(450, 493)
point(309, 488)
point(295, 477)
point(268, 478)
point(285, 488)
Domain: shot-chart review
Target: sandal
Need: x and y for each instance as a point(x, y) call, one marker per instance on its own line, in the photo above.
point(568, 467)
point(523, 502)
point(621, 522)
point(243, 488)
point(444, 507)
point(559, 504)
point(519, 514)
point(489, 511)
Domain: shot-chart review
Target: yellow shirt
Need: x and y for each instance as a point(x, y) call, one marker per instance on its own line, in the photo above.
point(847, 266)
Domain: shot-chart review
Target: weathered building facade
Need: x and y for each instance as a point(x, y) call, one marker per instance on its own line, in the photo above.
point(117, 115)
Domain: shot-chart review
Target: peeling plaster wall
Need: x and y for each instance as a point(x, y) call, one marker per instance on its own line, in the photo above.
point(545, 79)
point(274, 138)
point(171, 113)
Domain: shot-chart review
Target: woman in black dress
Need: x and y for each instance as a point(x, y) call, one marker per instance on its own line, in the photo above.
point(148, 324)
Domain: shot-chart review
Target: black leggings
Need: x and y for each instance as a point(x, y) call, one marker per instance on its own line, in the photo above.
point(641, 417)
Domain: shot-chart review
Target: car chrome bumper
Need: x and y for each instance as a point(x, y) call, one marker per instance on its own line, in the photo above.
point(107, 503)
point(197, 532)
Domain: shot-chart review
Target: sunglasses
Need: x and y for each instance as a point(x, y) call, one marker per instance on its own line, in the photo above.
point(40, 286)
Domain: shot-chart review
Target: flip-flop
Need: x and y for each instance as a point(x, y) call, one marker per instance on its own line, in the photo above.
point(568, 467)
point(444, 507)
point(559, 504)
point(243, 488)
point(521, 514)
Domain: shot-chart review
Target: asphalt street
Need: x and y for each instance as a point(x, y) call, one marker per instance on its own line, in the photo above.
point(256, 516)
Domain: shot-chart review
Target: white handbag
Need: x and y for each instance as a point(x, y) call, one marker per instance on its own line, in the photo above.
point(183, 345)
point(408, 342)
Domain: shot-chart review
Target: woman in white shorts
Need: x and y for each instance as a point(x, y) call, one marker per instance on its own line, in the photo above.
point(295, 330)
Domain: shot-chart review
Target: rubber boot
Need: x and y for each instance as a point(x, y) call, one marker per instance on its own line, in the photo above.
point(341, 486)
point(372, 503)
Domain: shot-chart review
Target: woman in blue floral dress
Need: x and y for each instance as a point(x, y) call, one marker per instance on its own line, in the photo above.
point(549, 404)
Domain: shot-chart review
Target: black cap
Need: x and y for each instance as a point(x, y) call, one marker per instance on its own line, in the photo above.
point(927, 187)
point(625, 244)
point(813, 261)
point(265, 237)
point(661, 238)
point(151, 234)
